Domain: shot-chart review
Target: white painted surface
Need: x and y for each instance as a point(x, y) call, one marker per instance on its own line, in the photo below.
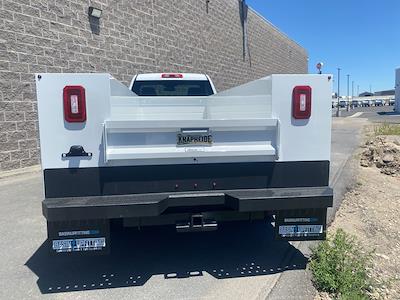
point(299, 140)
point(191, 108)
point(227, 125)
point(119, 89)
point(133, 153)
point(357, 114)
point(252, 122)
point(56, 135)
point(303, 140)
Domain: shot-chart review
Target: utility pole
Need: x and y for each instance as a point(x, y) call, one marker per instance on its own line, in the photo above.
point(358, 90)
point(352, 93)
point(348, 93)
point(338, 93)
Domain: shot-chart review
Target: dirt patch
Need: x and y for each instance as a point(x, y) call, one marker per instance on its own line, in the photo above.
point(371, 212)
point(323, 296)
point(384, 153)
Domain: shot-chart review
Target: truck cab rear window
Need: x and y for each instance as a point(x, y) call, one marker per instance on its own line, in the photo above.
point(172, 88)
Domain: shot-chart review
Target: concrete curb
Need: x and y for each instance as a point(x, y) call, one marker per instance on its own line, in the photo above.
point(19, 172)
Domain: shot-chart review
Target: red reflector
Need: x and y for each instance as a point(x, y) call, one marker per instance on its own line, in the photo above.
point(301, 103)
point(171, 75)
point(74, 104)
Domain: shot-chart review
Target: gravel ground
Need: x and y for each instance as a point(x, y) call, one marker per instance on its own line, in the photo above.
point(371, 212)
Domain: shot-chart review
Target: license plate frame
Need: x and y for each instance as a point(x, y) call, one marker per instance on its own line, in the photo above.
point(194, 137)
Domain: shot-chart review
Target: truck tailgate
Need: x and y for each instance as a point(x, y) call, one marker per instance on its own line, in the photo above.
point(153, 128)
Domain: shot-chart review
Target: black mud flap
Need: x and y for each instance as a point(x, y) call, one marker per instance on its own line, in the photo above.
point(300, 225)
point(84, 237)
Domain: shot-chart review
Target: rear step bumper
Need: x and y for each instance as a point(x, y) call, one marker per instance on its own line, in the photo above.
point(156, 204)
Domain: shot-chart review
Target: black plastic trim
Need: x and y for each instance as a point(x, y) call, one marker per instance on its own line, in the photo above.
point(122, 180)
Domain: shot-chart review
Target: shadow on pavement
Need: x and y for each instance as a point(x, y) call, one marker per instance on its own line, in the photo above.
point(235, 250)
point(388, 113)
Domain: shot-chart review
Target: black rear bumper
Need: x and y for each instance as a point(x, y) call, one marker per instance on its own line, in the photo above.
point(157, 204)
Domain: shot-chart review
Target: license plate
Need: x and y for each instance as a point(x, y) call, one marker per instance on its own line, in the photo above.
point(300, 230)
point(194, 138)
point(71, 245)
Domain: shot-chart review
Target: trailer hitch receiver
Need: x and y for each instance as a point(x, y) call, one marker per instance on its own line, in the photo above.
point(197, 223)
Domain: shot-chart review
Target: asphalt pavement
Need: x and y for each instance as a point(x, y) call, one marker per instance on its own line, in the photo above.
point(239, 261)
point(375, 114)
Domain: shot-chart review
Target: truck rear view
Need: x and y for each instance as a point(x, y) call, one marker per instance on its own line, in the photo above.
point(257, 150)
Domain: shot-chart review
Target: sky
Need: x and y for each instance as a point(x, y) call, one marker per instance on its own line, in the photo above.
point(362, 37)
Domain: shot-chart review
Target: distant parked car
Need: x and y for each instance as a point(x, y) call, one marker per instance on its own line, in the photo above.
point(342, 103)
point(372, 102)
point(357, 103)
point(392, 101)
point(365, 103)
point(379, 102)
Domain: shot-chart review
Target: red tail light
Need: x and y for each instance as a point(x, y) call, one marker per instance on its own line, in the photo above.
point(301, 102)
point(171, 75)
point(74, 104)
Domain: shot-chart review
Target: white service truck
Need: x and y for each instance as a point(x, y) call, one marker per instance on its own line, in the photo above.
point(169, 150)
